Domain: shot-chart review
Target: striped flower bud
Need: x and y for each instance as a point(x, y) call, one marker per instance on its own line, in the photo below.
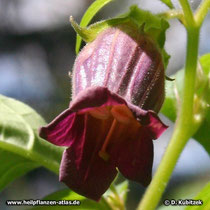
point(127, 63)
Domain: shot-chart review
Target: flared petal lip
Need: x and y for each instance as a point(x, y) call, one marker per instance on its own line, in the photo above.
point(41, 130)
point(102, 96)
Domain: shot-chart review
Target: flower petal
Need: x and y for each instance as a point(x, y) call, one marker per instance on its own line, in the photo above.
point(95, 97)
point(82, 170)
point(150, 120)
point(63, 130)
point(155, 126)
point(136, 157)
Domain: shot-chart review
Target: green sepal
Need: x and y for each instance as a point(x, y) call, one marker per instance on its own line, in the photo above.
point(145, 22)
point(89, 34)
point(92, 10)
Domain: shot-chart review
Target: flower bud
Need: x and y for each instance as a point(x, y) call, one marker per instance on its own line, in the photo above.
point(127, 62)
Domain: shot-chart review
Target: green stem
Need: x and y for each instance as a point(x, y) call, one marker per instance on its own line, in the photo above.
point(183, 127)
point(170, 14)
point(202, 12)
point(190, 22)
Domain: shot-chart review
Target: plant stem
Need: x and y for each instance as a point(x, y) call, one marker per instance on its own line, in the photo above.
point(170, 14)
point(187, 13)
point(183, 127)
point(202, 12)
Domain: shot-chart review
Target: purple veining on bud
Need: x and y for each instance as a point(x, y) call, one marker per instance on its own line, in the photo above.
point(128, 64)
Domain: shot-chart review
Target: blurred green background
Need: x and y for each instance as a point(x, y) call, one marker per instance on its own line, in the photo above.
point(37, 53)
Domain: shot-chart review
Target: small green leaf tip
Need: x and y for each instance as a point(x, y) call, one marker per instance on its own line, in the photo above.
point(92, 10)
point(168, 3)
point(82, 32)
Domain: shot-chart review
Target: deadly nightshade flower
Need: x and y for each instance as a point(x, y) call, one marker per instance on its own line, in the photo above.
point(118, 89)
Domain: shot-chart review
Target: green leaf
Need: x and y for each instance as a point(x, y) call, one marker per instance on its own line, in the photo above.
point(66, 194)
point(204, 195)
point(89, 14)
point(20, 142)
point(201, 100)
point(168, 3)
point(13, 166)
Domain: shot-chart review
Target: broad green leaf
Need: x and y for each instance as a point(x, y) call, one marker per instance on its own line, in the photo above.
point(204, 195)
point(168, 3)
point(89, 14)
point(202, 100)
point(13, 166)
point(67, 194)
point(19, 139)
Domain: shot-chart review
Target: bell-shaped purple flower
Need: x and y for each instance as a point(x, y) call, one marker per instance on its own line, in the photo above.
point(118, 87)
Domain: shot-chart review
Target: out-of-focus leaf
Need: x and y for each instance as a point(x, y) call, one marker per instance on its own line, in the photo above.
point(204, 196)
point(13, 166)
point(67, 195)
point(87, 17)
point(116, 195)
point(202, 135)
point(187, 190)
point(205, 62)
point(21, 148)
point(168, 3)
point(122, 190)
point(202, 95)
